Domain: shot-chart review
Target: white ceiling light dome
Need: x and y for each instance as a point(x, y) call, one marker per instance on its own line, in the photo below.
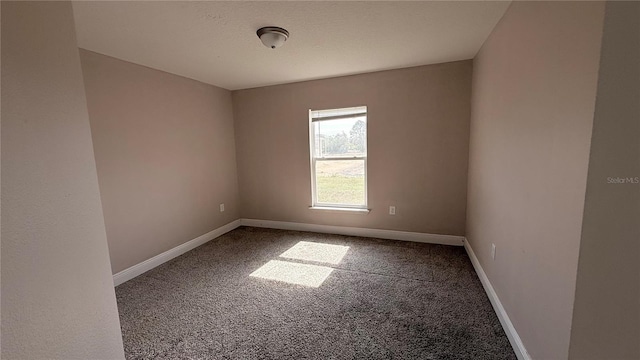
point(272, 36)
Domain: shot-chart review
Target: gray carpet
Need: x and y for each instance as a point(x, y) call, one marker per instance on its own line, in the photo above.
point(384, 300)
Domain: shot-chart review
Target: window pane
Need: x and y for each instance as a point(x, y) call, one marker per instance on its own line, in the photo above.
point(340, 182)
point(344, 137)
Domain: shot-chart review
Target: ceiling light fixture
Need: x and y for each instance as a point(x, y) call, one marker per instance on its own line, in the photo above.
point(272, 36)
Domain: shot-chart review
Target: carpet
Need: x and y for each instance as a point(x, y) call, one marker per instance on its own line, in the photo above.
point(363, 298)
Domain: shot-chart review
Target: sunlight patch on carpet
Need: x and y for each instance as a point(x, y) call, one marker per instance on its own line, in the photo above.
point(318, 252)
point(293, 273)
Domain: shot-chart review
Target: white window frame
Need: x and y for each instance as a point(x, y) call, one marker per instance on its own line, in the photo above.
point(314, 199)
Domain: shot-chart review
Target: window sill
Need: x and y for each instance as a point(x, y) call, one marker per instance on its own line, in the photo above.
point(330, 208)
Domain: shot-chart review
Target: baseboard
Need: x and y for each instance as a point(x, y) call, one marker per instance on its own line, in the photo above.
point(512, 334)
point(138, 269)
point(354, 231)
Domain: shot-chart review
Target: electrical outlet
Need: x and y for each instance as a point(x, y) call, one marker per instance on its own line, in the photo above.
point(493, 251)
point(221, 207)
point(392, 210)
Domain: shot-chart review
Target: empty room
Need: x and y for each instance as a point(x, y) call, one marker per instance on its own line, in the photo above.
point(320, 180)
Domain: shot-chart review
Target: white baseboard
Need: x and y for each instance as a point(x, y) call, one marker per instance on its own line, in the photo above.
point(512, 334)
point(354, 231)
point(138, 269)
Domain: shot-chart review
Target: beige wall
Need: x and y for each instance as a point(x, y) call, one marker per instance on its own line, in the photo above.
point(606, 315)
point(418, 128)
point(58, 300)
point(534, 88)
point(165, 152)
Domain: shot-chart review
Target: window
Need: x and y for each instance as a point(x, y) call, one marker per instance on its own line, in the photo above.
point(338, 143)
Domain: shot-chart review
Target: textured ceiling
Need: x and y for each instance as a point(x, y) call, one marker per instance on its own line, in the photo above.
point(215, 42)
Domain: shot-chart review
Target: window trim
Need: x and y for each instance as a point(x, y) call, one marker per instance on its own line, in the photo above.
point(341, 209)
point(330, 206)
